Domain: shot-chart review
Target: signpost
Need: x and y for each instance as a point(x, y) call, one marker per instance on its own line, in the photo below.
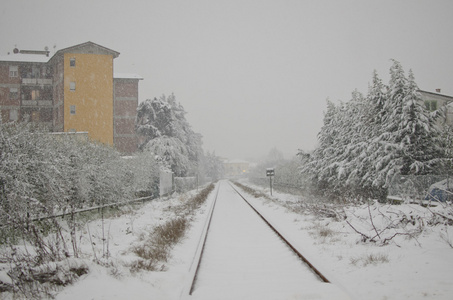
point(270, 173)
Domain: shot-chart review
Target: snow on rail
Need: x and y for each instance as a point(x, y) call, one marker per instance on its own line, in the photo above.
point(244, 259)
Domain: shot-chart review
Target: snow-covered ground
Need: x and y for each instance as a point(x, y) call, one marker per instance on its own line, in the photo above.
point(113, 280)
point(406, 268)
point(420, 267)
point(245, 259)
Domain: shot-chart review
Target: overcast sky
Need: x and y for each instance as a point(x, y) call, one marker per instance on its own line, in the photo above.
point(252, 75)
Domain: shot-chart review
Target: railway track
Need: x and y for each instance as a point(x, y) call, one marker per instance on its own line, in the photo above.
point(241, 255)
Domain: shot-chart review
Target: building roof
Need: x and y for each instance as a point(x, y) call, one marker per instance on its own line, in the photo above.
point(127, 76)
point(235, 161)
point(80, 48)
point(435, 96)
point(19, 57)
point(39, 58)
point(88, 47)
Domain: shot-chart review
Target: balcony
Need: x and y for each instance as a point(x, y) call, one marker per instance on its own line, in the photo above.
point(36, 81)
point(41, 103)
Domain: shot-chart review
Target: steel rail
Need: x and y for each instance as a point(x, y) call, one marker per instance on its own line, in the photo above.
point(202, 243)
point(302, 257)
point(193, 271)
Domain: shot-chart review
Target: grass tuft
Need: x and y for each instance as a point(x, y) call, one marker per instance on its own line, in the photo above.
point(370, 259)
point(154, 249)
point(253, 192)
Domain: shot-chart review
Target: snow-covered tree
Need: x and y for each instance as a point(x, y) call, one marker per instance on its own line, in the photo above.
point(375, 101)
point(388, 163)
point(410, 139)
point(318, 168)
point(43, 174)
point(274, 156)
point(172, 152)
point(154, 119)
point(423, 147)
point(167, 134)
point(214, 168)
point(367, 140)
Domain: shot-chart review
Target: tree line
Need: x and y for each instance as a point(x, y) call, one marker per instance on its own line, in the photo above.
point(45, 174)
point(367, 140)
point(169, 137)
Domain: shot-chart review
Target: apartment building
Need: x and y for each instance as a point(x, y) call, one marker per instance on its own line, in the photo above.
point(435, 100)
point(75, 90)
point(125, 100)
point(235, 167)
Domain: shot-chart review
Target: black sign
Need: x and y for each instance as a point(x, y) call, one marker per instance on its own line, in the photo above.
point(270, 172)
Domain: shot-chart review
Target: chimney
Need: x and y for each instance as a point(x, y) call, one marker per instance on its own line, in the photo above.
point(438, 91)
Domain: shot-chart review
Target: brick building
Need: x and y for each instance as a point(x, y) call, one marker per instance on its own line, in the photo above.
point(75, 90)
point(125, 93)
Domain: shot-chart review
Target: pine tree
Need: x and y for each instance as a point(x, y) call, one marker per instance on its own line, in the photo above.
point(409, 141)
point(389, 159)
point(367, 141)
point(319, 167)
point(375, 101)
point(214, 166)
point(356, 140)
point(422, 137)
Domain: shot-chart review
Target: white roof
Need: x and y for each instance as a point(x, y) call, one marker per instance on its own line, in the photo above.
point(127, 76)
point(19, 57)
point(236, 161)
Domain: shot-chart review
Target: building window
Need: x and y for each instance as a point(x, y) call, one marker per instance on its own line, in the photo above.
point(72, 86)
point(72, 109)
point(13, 115)
point(72, 62)
point(431, 105)
point(13, 71)
point(35, 72)
point(35, 116)
point(35, 95)
point(13, 94)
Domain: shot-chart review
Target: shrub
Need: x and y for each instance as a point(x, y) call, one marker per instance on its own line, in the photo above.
point(43, 175)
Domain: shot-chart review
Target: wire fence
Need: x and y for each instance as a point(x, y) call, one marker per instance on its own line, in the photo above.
point(420, 188)
point(99, 207)
point(409, 188)
point(285, 187)
point(168, 184)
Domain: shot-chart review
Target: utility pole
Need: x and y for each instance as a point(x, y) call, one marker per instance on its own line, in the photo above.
point(270, 173)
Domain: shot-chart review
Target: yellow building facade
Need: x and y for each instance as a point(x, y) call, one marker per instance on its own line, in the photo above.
point(88, 95)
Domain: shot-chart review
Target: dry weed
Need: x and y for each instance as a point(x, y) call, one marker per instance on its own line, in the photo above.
point(323, 233)
point(154, 249)
point(253, 192)
point(370, 259)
